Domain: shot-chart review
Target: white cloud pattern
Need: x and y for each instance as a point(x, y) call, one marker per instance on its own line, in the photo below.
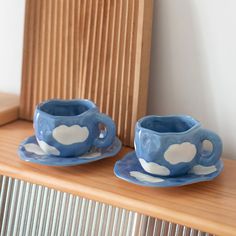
point(154, 168)
point(177, 153)
point(69, 135)
point(91, 155)
point(144, 177)
point(34, 148)
point(50, 150)
point(202, 170)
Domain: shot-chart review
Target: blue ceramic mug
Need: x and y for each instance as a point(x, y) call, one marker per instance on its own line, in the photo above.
point(172, 145)
point(71, 127)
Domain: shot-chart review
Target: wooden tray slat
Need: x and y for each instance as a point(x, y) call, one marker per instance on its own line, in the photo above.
point(88, 49)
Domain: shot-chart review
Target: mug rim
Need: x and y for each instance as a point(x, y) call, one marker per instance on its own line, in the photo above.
point(85, 102)
point(195, 126)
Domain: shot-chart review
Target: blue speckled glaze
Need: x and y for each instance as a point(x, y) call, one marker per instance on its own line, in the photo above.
point(155, 134)
point(102, 153)
point(130, 163)
point(83, 113)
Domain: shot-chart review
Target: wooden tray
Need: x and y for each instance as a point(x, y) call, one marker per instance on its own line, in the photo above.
point(89, 49)
point(207, 206)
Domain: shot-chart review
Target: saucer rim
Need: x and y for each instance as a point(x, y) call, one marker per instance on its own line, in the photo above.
point(194, 179)
point(21, 154)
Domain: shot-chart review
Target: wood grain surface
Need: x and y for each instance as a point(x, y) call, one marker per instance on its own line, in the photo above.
point(9, 107)
point(207, 206)
point(88, 49)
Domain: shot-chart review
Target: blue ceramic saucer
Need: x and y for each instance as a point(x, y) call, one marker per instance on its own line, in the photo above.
point(129, 169)
point(30, 151)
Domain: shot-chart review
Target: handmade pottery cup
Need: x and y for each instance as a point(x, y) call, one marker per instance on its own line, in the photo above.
point(71, 127)
point(172, 145)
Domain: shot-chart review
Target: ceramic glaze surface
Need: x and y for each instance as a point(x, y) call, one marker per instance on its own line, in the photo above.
point(174, 143)
point(145, 177)
point(71, 127)
point(130, 169)
point(30, 151)
point(153, 168)
point(69, 135)
point(48, 149)
point(177, 153)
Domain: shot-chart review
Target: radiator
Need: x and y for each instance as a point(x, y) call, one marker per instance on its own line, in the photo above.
point(28, 209)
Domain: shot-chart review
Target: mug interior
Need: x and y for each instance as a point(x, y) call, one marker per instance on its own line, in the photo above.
point(171, 124)
point(66, 108)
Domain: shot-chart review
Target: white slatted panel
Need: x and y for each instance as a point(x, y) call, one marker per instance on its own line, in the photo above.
point(28, 209)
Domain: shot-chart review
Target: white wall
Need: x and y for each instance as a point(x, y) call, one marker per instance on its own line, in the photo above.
point(11, 40)
point(193, 61)
point(193, 64)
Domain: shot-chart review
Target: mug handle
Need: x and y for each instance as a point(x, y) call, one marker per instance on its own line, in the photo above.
point(110, 131)
point(214, 156)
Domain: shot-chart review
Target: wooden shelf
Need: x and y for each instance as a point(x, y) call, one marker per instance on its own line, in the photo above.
point(208, 206)
point(9, 106)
